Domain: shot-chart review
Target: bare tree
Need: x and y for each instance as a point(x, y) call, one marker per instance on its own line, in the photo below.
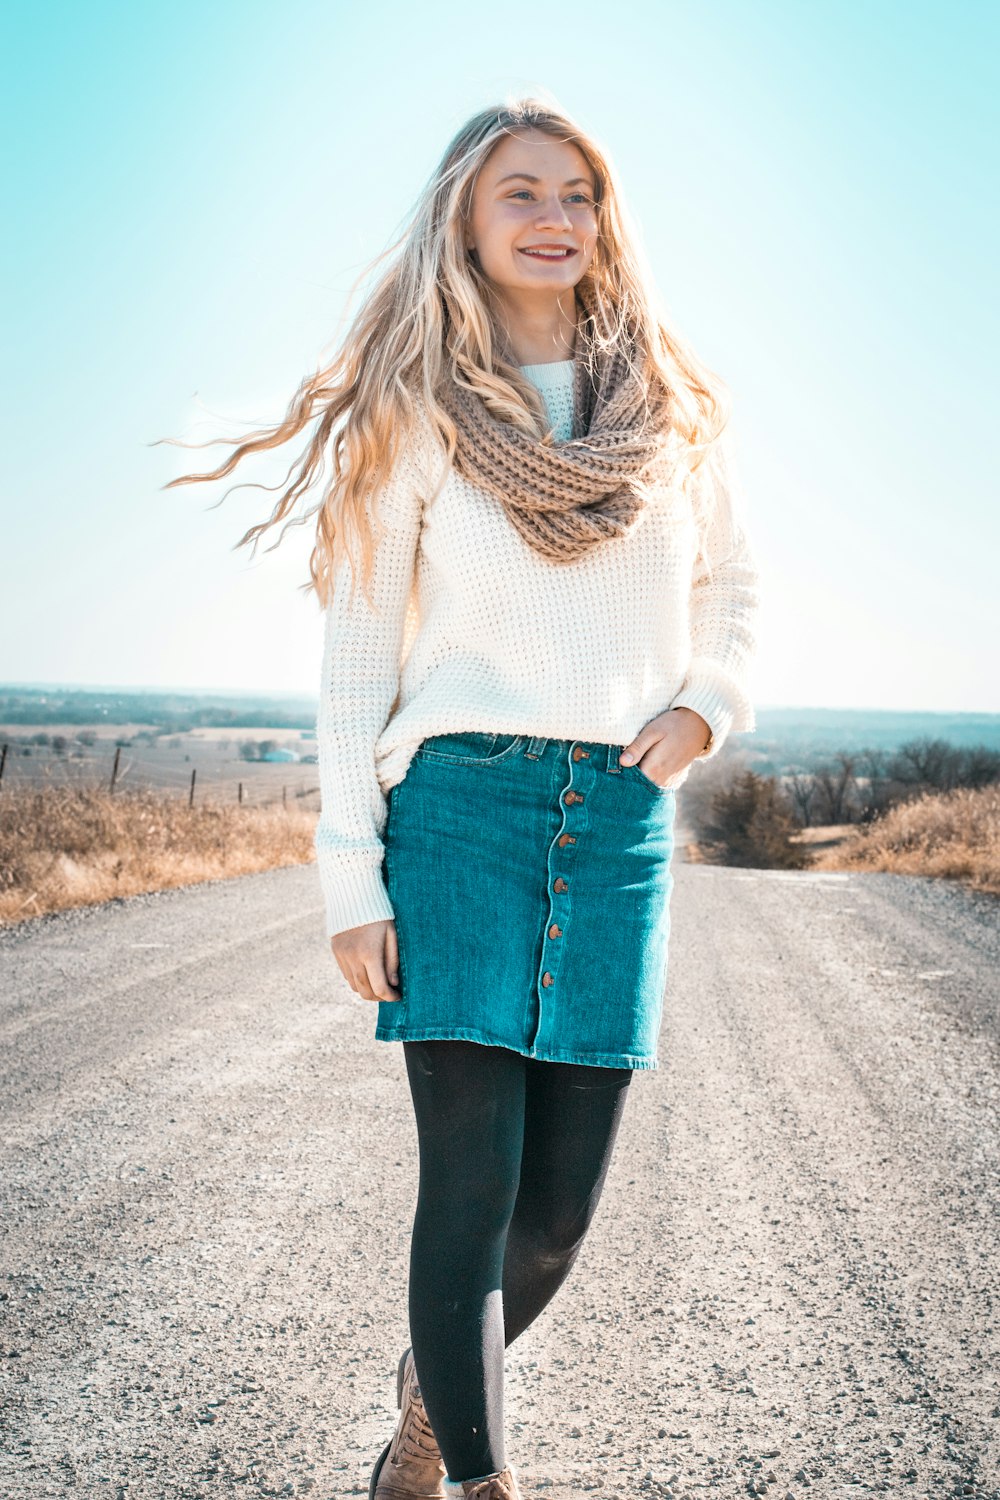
point(927, 762)
point(873, 782)
point(980, 766)
point(835, 782)
point(801, 787)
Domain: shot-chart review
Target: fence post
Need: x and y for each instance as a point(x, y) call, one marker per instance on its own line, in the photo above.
point(114, 768)
point(191, 794)
point(240, 794)
point(3, 761)
point(284, 796)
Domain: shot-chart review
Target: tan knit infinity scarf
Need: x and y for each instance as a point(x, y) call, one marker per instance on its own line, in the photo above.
point(565, 498)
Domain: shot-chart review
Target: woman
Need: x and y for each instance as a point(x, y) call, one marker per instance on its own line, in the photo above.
point(557, 619)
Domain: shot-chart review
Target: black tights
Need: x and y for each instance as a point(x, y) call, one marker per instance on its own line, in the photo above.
point(513, 1156)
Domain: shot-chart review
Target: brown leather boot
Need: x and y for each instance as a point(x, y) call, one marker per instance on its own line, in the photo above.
point(499, 1486)
point(410, 1467)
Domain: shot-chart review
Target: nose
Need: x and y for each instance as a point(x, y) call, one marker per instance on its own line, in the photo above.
point(552, 212)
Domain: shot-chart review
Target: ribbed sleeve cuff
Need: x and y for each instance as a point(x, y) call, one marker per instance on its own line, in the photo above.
point(706, 699)
point(351, 904)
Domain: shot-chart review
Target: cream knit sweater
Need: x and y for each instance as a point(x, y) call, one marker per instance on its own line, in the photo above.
point(476, 631)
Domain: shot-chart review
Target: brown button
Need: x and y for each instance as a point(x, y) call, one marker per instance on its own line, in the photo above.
point(579, 754)
point(566, 838)
point(547, 979)
point(570, 798)
point(555, 930)
point(560, 884)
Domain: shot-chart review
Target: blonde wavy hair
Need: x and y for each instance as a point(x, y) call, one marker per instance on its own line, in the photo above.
point(432, 316)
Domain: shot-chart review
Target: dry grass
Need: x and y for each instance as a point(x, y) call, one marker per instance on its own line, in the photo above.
point(64, 846)
point(956, 834)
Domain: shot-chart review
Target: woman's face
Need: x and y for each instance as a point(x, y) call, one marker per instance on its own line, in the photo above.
point(534, 193)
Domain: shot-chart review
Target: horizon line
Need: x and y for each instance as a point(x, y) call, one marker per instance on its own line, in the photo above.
point(303, 694)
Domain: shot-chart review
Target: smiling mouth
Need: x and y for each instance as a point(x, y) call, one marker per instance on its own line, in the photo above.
point(562, 252)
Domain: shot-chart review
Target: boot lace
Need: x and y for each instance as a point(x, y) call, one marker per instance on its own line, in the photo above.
point(417, 1439)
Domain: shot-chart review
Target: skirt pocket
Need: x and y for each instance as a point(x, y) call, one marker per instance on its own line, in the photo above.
point(647, 781)
point(469, 747)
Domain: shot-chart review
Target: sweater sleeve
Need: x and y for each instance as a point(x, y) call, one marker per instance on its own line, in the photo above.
point(724, 604)
point(359, 684)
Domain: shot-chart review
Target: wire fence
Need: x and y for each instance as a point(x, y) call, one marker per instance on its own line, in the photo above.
point(213, 777)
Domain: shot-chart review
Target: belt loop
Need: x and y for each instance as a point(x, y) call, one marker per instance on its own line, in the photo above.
point(536, 746)
point(613, 752)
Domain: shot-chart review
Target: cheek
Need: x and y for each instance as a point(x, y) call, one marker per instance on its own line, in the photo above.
point(509, 219)
point(500, 229)
point(589, 237)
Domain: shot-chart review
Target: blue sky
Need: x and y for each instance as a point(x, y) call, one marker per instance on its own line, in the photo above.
point(192, 190)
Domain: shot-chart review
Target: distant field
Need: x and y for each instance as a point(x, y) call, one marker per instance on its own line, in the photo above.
point(166, 763)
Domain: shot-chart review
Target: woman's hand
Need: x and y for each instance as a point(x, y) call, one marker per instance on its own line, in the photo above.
point(369, 959)
point(665, 746)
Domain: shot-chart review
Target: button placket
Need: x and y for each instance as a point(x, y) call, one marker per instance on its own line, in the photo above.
point(578, 781)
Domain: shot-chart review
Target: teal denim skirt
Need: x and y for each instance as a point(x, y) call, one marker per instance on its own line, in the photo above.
point(530, 880)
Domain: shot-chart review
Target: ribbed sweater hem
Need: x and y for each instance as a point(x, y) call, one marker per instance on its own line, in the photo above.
point(707, 700)
point(352, 901)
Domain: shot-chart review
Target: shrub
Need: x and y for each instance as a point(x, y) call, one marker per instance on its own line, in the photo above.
point(954, 834)
point(750, 822)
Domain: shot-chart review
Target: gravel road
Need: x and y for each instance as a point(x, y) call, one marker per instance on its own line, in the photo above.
point(790, 1288)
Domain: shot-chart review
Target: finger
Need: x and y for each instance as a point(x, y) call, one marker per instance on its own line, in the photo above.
point(634, 752)
point(392, 957)
point(355, 973)
point(378, 980)
point(362, 984)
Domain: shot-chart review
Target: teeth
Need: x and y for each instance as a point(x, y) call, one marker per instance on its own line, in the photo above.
point(548, 254)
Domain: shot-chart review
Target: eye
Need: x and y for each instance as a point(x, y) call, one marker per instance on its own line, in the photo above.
point(585, 197)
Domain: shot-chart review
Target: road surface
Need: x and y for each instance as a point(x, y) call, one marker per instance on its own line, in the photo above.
point(208, 1178)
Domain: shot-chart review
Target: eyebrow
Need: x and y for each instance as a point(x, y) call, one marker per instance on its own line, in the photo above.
point(527, 177)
